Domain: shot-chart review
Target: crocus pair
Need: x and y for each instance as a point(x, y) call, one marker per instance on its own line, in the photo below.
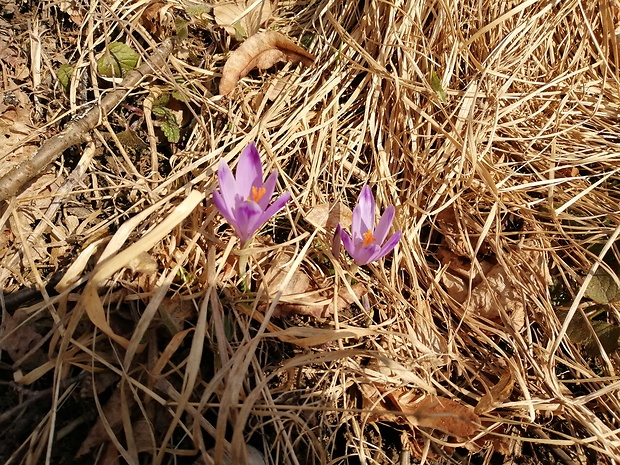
point(243, 200)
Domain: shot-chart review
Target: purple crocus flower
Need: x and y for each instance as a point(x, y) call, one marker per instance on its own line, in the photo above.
point(243, 199)
point(366, 244)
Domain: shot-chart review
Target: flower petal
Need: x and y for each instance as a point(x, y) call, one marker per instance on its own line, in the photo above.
point(270, 185)
point(363, 215)
point(222, 207)
point(366, 254)
point(274, 207)
point(337, 241)
point(388, 246)
point(249, 170)
point(228, 185)
point(384, 224)
point(348, 243)
point(247, 216)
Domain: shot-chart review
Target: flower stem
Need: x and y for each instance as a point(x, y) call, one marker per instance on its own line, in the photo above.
point(244, 273)
point(353, 272)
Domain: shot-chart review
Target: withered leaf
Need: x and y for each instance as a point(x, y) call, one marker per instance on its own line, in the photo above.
point(15, 130)
point(156, 18)
point(302, 296)
point(435, 412)
point(73, 9)
point(603, 287)
point(18, 338)
point(321, 304)
point(113, 416)
point(262, 51)
point(240, 21)
point(328, 215)
point(496, 285)
point(497, 394)
point(445, 415)
point(254, 457)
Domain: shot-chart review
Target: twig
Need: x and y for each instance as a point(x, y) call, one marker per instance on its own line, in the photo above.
point(77, 131)
point(27, 294)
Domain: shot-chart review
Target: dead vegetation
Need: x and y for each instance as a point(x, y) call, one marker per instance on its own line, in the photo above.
point(488, 336)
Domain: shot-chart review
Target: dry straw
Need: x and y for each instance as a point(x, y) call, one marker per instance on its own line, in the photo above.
point(492, 126)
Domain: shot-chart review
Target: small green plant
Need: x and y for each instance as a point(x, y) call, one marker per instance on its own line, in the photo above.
point(168, 121)
point(117, 60)
point(437, 87)
point(64, 75)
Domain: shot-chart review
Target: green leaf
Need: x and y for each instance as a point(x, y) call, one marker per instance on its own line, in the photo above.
point(181, 27)
point(603, 288)
point(117, 60)
point(179, 96)
point(580, 331)
point(171, 130)
point(162, 100)
point(131, 140)
point(306, 40)
point(197, 10)
point(239, 31)
point(64, 75)
point(160, 111)
point(607, 334)
point(436, 85)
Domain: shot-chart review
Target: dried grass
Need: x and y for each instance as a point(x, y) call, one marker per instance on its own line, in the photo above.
point(527, 137)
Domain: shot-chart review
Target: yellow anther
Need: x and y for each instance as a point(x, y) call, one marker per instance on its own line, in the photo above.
point(368, 238)
point(257, 193)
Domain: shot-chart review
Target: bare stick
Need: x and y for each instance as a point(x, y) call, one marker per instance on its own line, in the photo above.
point(76, 131)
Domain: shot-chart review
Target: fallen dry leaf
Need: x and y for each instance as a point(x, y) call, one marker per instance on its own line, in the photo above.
point(328, 215)
point(255, 457)
point(440, 413)
point(262, 51)
point(497, 394)
point(13, 60)
point(301, 295)
point(459, 235)
point(239, 20)
point(487, 297)
point(279, 268)
point(156, 19)
point(435, 412)
point(143, 263)
point(15, 129)
point(495, 287)
point(18, 338)
point(321, 304)
point(73, 9)
point(144, 436)
point(174, 312)
point(113, 415)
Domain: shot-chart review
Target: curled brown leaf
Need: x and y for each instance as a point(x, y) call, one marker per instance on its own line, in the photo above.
point(262, 51)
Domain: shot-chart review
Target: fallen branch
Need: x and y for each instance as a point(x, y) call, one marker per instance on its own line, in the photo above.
point(77, 131)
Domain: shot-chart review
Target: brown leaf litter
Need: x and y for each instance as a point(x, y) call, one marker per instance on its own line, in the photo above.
point(303, 295)
point(261, 51)
point(21, 341)
point(486, 286)
point(411, 408)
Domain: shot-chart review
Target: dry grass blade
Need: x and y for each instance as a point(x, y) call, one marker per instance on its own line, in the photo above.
point(492, 128)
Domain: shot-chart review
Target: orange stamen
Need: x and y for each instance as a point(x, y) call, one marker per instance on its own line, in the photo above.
point(368, 238)
point(257, 193)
